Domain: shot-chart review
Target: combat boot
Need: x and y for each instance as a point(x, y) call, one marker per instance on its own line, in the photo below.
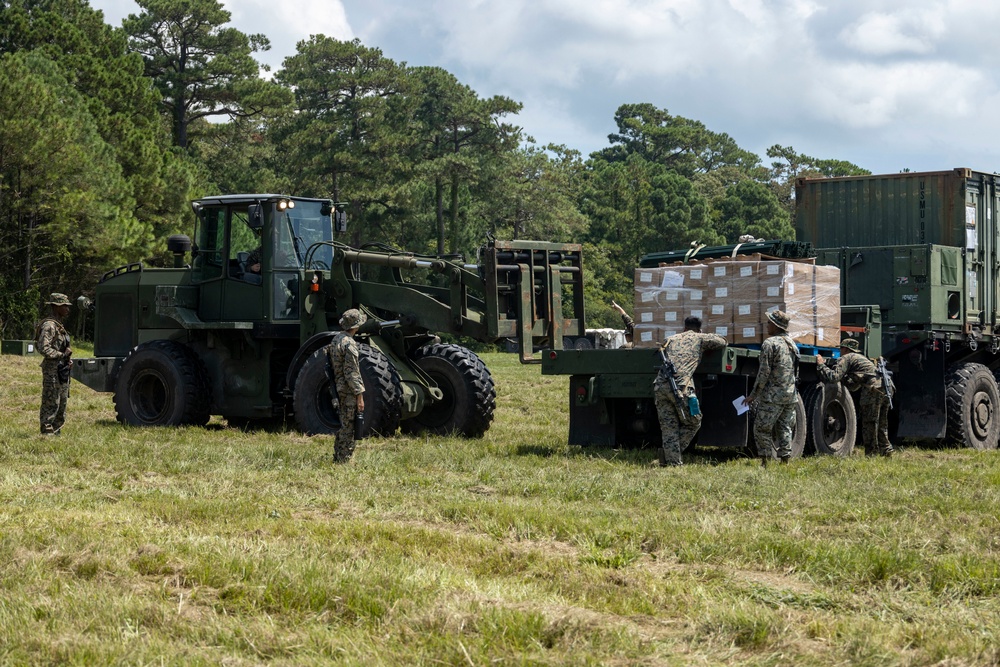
point(784, 460)
point(763, 461)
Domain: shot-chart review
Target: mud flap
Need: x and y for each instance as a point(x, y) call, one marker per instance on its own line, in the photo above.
point(722, 427)
point(920, 397)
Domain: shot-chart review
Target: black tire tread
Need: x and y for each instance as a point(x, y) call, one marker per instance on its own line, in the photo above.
point(957, 380)
point(194, 383)
point(811, 396)
point(478, 386)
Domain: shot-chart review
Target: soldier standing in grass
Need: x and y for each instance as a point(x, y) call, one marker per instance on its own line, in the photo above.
point(857, 373)
point(343, 353)
point(773, 391)
point(677, 423)
point(52, 341)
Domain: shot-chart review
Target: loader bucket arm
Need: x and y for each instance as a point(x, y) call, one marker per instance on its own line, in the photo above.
point(526, 290)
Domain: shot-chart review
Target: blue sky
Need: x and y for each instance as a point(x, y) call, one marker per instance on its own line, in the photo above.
point(887, 85)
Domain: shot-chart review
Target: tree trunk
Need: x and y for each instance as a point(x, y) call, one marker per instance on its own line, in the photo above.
point(439, 211)
point(454, 214)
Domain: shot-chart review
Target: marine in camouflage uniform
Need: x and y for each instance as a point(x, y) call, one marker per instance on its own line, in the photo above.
point(773, 392)
point(627, 322)
point(677, 426)
point(343, 354)
point(53, 343)
point(857, 373)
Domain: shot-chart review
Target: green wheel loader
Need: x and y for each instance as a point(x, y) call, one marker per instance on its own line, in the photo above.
point(240, 330)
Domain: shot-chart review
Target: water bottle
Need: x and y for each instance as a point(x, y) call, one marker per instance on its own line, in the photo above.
point(359, 424)
point(693, 408)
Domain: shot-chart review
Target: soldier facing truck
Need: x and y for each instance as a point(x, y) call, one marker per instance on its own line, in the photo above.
point(673, 389)
point(774, 391)
point(858, 373)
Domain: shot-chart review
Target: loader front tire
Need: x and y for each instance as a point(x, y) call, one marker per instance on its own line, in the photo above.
point(312, 402)
point(469, 396)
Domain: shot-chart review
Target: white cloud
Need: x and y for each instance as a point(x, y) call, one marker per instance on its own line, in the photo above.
point(862, 80)
point(907, 31)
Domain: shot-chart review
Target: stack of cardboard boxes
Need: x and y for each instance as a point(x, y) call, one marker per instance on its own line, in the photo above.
point(733, 297)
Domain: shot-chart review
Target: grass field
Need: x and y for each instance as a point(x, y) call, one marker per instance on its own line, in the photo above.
point(217, 546)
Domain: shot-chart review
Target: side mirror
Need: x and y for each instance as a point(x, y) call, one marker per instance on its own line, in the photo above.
point(339, 221)
point(255, 217)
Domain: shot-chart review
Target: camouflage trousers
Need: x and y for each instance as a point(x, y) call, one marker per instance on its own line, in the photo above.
point(678, 429)
point(875, 422)
point(773, 427)
point(343, 447)
point(55, 397)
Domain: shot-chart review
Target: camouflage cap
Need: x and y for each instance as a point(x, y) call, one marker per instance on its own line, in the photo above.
point(850, 344)
point(352, 319)
point(57, 299)
point(778, 319)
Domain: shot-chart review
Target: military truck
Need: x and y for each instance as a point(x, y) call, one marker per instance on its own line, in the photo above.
point(920, 285)
point(240, 330)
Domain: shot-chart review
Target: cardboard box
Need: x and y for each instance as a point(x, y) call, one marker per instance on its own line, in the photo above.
point(747, 334)
point(747, 312)
point(720, 282)
point(646, 335)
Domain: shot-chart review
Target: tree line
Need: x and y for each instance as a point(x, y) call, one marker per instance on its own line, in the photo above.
point(107, 133)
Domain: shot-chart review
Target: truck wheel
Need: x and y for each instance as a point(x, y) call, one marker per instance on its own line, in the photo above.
point(314, 413)
point(162, 383)
point(798, 444)
point(469, 395)
point(971, 399)
point(831, 421)
point(583, 344)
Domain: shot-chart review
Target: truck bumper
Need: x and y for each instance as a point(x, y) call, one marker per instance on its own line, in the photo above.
point(100, 374)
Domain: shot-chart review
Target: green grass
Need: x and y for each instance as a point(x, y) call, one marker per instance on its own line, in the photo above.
point(213, 545)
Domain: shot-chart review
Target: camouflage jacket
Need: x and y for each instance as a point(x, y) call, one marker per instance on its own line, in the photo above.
point(52, 341)
point(776, 378)
point(343, 352)
point(854, 370)
point(628, 323)
point(684, 351)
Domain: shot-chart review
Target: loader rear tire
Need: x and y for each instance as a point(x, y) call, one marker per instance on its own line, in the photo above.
point(312, 402)
point(162, 383)
point(469, 394)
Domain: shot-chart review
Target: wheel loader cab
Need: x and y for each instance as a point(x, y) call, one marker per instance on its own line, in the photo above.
point(250, 254)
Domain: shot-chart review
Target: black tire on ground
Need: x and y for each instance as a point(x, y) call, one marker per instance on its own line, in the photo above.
point(162, 383)
point(972, 399)
point(583, 344)
point(831, 421)
point(383, 394)
point(798, 444)
point(469, 394)
point(312, 401)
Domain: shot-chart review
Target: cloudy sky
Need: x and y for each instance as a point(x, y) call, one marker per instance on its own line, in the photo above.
point(887, 85)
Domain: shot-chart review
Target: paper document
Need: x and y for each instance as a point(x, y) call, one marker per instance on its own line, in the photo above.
point(740, 408)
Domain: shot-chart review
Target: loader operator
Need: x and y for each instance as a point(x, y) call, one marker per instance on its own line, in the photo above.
point(857, 373)
point(680, 417)
point(343, 353)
